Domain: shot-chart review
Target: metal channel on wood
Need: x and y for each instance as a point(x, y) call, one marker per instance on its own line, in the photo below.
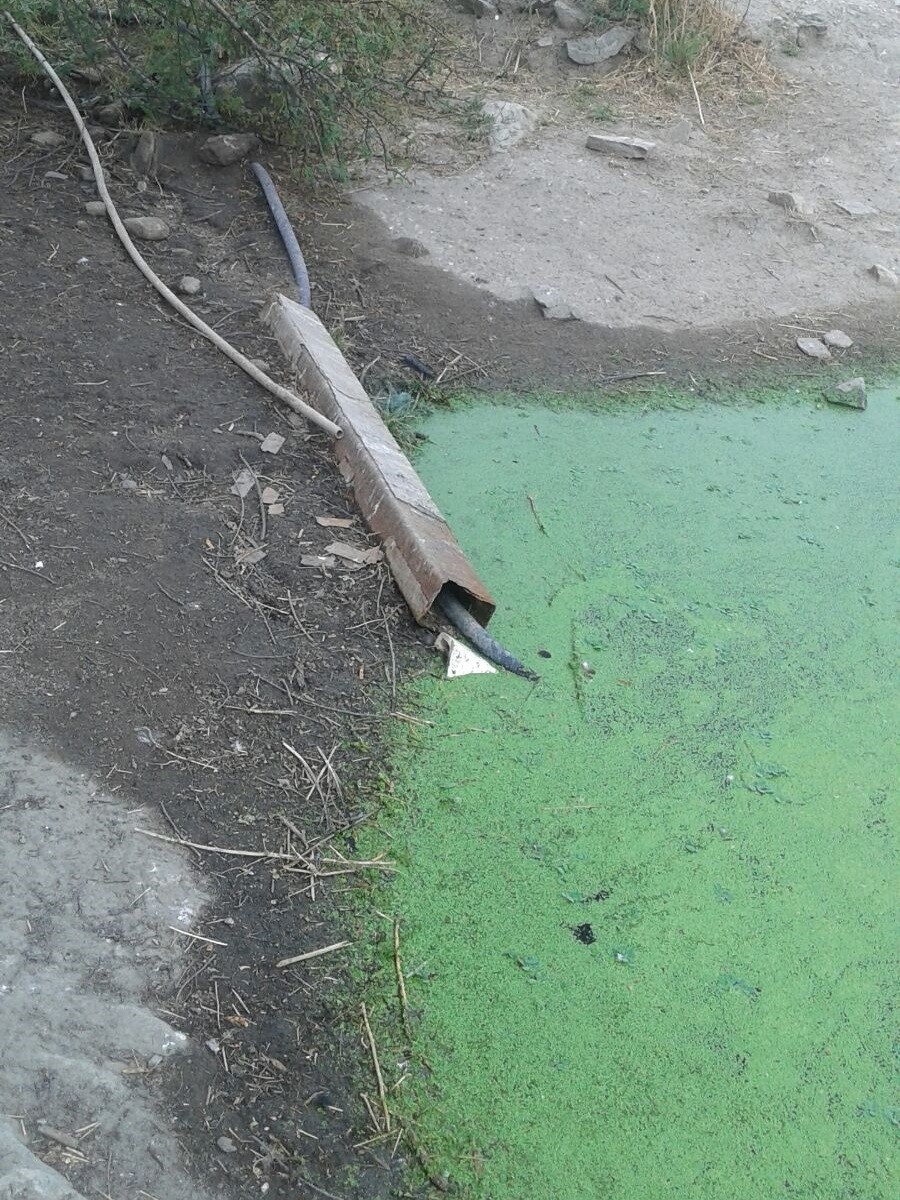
point(420, 548)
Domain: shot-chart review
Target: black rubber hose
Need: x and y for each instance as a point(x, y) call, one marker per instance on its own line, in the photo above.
point(285, 230)
point(460, 617)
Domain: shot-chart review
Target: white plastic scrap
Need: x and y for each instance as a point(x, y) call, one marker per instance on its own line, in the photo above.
point(460, 659)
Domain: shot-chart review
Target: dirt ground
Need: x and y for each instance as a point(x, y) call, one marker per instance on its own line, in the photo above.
point(171, 684)
point(158, 674)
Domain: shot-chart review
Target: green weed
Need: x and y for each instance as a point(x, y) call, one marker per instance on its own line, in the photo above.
point(324, 76)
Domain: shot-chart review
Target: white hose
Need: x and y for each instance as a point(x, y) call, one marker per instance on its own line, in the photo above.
point(283, 394)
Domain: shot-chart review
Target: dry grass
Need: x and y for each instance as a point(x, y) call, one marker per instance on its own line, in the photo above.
point(698, 37)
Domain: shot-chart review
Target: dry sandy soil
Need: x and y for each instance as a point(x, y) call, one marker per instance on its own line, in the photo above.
point(688, 238)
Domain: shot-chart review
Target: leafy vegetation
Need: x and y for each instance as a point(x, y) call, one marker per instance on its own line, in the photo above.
point(324, 75)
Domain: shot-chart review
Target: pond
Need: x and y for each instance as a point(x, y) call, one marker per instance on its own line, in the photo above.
point(648, 904)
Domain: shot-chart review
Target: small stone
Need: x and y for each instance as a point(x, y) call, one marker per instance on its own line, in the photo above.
point(145, 155)
point(147, 229)
point(851, 393)
point(624, 147)
point(552, 307)
point(49, 138)
point(587, 51)
point(814, 348)
point(228, 148)
point(411, 247)
point(95, 208)
point(57, 175)
point(32, 230)
point(110, 114)
point(837, 339)
point(792, 202)
point(85, 172)
point(569, 16)
point(813, 22)
point(853, 208)
point(226, 1145)
point(127, 485)
point(545, 42)
point(642, 42)
point(189, 285)
point(509, 123)
point(88, 74)
point(882, 274)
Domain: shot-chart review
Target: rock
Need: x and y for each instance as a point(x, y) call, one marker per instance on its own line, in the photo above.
point(624, 147)
point(411, 247)
point(85, 173)
point(545, 42)
point(590, 50)
point(552, 307)
point(814, 348)
point(57, 175)
point(792, 202)
point(110, 114)
point(32, 230)
point(226, 1145)
point(569, 16)
point(854, 209)
point(49, 138)
point(851, 393)
point(882, 274)
point(145, 155)
point(189, 285)
point(127, 485)
point(837, 339)
point(147, 229)
point(95, 208)
point(509, 123)
point(227, 148)
point(642, 42)
point(814, 23)
point(255, 82)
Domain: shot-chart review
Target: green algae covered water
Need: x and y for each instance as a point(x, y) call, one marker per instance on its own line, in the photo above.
point(649, 904)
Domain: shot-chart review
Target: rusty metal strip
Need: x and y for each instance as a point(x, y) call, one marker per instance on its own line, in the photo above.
point(420, 548)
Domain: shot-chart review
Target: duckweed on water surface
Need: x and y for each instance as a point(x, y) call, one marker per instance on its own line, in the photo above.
point(647, 905)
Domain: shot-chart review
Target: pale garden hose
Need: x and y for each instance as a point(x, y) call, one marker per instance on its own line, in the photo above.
point(281, 393)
